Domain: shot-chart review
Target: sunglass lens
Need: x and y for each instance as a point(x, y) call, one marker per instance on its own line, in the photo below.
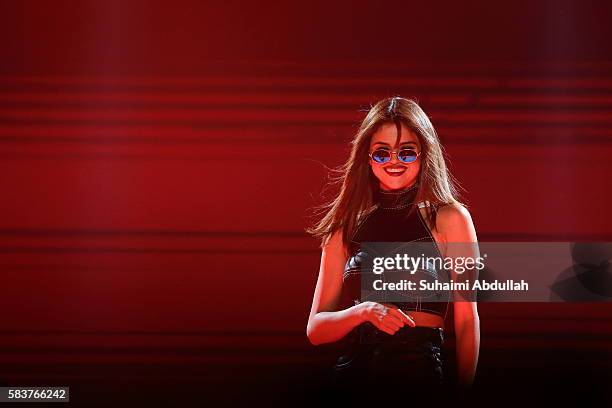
point(381, 156)
point(407, 155)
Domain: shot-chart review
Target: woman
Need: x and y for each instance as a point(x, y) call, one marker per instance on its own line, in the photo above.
point(395, 187)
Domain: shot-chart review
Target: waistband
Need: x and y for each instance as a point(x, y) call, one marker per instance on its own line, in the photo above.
point(367, 333)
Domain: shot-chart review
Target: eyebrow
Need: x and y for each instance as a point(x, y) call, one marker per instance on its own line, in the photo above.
point(401, 144)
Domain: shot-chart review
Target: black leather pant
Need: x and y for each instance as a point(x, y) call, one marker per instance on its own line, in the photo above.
point(377, 364)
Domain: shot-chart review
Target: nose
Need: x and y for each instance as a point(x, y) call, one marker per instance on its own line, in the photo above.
point(394, 158)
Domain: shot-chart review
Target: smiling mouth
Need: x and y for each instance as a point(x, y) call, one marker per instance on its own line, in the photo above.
point(395, 171)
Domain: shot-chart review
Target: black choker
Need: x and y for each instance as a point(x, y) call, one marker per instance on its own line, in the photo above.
point(396, 199)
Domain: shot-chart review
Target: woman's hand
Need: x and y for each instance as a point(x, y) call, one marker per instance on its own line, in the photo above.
point(386, 317)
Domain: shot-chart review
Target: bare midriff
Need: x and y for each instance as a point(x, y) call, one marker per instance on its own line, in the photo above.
point(425, 319)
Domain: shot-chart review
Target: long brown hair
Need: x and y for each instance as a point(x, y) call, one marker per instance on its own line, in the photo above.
point(358, 183)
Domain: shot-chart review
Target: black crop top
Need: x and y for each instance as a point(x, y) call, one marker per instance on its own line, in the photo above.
point(389, 222)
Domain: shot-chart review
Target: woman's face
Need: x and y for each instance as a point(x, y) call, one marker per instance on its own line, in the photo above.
point(394, 174)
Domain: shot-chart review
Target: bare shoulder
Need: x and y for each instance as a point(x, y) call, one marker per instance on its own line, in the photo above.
point(449, 214)
point(335, 244)
point(454, 221)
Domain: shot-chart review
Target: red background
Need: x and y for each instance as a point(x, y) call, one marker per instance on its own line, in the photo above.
point(159, 160)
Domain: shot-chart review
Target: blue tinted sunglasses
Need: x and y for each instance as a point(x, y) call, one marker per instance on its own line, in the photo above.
point(405, 155)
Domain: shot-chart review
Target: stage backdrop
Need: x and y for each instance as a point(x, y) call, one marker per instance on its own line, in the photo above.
point(158, 161)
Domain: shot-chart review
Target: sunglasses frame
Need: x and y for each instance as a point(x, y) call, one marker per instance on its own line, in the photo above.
point(396, 152)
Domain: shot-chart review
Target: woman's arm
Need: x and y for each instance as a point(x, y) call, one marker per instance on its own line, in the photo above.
point(326, 325)
point(467, 331)
point(456, 226)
